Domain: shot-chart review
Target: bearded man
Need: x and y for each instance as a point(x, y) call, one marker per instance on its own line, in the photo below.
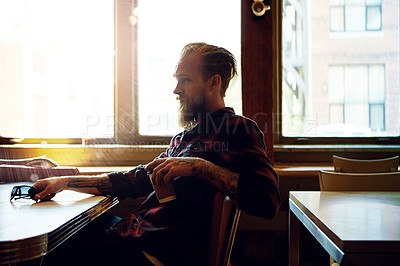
point(218, 150)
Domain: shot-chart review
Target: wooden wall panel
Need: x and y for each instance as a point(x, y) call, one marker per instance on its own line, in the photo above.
point(257, 70)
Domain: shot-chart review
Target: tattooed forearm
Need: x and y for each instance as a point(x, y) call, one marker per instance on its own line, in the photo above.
point(102, 184)
point(226, 179)
point(219, 176)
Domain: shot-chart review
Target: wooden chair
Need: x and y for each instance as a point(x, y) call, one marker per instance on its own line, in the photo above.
point(225, 220)
point(223, 230)
point(335, 181)
point(347, 165)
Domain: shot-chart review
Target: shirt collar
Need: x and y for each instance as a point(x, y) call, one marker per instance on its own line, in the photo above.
point(206, 126)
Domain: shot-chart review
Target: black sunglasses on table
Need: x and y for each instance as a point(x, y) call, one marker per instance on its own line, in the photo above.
point(23, 192)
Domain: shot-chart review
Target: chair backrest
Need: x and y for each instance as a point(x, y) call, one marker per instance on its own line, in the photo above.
point(335, 181)
point(347, 165)
point(223, 229)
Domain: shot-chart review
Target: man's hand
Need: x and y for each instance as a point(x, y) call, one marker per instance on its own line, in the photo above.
point(49, 187)
point(166, 169)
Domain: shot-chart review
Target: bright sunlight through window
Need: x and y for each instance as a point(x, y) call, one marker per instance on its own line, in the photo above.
point(163, 31)
point(57, 63)
point(56, 68)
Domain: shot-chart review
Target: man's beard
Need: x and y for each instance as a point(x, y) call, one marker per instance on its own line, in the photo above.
point(190, 113)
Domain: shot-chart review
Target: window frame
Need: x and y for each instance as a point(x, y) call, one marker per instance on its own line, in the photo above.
point(126, 91)
point(126, 112)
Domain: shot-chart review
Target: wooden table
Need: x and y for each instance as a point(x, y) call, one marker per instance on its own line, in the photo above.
point(29, 230)
point(355, 228)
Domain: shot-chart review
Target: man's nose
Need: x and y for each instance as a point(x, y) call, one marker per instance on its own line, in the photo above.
point(177, 89)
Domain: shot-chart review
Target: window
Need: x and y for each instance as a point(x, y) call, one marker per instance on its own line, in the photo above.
point(56, 73)
point(355, 15)
point(361, 110)
point(339, 88)
point(106, 74)
point(162, 33)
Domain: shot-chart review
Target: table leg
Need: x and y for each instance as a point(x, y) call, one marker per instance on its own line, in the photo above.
point(294, 239)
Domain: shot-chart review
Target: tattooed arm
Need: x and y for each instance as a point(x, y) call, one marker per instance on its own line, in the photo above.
point(98, 185)
point(168, 168)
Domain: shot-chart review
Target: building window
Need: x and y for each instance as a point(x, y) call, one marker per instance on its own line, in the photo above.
point(336, 89)
point(361, 110)
point(106, 74)
point(355, 15)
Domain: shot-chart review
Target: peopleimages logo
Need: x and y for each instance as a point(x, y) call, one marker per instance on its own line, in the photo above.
point(98, 125)
point(297, 124)
point(166, 124)
point(212, 146)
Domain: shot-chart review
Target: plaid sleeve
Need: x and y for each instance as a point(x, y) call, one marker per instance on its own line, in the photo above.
point(258, 192)
point(134, 183)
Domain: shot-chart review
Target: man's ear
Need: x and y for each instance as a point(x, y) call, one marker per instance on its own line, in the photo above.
point(215, 82)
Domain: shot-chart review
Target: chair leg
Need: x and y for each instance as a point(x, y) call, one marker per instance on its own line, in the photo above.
point(332, 262)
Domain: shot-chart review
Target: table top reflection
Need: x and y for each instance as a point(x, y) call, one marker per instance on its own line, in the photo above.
point(350, 223)
point(29, 229)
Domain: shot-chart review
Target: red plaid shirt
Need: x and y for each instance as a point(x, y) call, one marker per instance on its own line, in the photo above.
point(177, 233)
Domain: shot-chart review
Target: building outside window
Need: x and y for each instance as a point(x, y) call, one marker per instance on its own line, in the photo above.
point(340, 69)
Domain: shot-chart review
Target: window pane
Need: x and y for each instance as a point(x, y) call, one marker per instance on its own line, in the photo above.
point(56, 68)
point(355, 18)
point(373, 18)
point(337, 18)
point(294, 46)
point(162, 33)
point(349, 81)
point(376, 84)
point(377, 117)
point(356, 84)
point(357, 114)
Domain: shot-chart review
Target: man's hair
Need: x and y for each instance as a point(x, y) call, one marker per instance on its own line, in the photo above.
point(216, 60)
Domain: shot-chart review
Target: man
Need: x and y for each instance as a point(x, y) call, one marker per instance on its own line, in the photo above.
point(218, 150)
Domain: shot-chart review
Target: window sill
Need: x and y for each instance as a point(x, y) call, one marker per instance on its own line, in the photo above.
point(85, 155)
point(130, 155)
point(311, 154)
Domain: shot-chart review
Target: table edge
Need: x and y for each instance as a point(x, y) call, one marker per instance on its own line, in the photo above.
point(347, 246)
point(29, 248)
